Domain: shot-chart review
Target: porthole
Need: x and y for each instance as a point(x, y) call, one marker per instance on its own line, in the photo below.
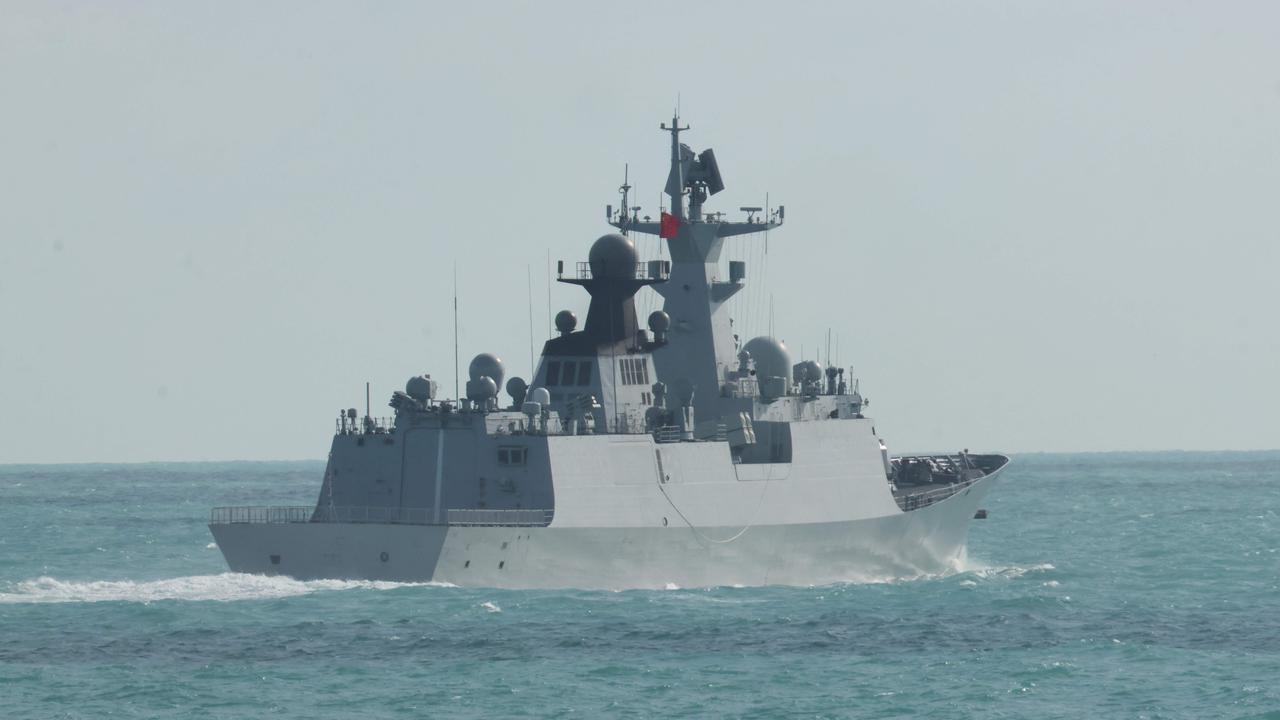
point(502, 564)
point(384, 556)
point(466, 564)
point(664, 522)
point(275, 559)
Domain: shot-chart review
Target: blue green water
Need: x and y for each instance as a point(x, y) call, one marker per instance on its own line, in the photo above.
point(1126, 586)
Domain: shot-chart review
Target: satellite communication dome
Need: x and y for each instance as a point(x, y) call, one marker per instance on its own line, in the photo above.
point(659, 321)
point(487, 365)
point(613, 256)
point(541, 396)
point(482, 388)
point(517, 388)
point(771, 356)
point(566, 322)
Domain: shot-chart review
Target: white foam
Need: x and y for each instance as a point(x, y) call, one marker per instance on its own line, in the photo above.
point(1009, 571)
point(490, 607)
point(226, 587)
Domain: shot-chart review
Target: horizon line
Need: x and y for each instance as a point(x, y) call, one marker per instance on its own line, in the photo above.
point(247, 461)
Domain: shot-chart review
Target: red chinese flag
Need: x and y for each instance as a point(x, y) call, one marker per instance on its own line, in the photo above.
point(669, 227)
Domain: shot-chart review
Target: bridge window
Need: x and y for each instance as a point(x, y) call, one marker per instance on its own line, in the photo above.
point(513, 455)
point(567, 378)
point(584, 372)
point(553, 373)
point(635, 371)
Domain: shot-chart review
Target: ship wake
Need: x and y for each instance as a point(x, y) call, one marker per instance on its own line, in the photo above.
point(224, 587)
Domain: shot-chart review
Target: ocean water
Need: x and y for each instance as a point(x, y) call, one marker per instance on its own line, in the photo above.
point(1114, 586)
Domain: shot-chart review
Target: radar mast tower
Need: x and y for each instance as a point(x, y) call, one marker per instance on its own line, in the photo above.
point(675, 183)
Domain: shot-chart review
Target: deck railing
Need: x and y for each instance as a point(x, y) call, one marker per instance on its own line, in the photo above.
point(261, 514)
point(500, 518)
point(916, 501)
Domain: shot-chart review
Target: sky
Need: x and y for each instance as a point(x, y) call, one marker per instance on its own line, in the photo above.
point(1026, 226)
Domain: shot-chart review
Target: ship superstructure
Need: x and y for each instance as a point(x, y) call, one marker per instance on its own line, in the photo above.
point(637, 456)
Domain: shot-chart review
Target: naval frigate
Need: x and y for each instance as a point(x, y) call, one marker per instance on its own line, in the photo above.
point(636, 457)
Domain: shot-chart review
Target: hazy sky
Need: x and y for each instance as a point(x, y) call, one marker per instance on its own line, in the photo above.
point(1033, 226)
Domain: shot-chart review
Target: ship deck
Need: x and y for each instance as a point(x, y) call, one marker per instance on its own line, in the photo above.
point(919, 481)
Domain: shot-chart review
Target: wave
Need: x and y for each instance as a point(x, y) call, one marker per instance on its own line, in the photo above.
point(226, 587)
point(1007, 571)
point(962, 567)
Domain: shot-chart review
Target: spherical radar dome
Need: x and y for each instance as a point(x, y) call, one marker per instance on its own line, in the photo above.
point(659, 321)
point(566, 321)
point(613, 256)
point(487, 365)
point(770, 355)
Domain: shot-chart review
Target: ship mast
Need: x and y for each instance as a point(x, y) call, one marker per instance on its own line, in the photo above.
point(675, 181)
point(625, 190)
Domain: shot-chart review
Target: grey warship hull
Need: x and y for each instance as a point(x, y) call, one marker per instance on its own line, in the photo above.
point(904, 545)
point(678, 455)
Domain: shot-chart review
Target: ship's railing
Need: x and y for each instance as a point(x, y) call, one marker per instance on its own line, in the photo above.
point(262, 515)
point(652, 270)
point(500, 518)
point(672, 433)
point(373, 514)
point(666, 434)
point(345, 425)
point(917, 501)
point(504, 425)
point(743, 388)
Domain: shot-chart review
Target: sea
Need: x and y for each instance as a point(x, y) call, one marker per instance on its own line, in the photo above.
point(1118, 585)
